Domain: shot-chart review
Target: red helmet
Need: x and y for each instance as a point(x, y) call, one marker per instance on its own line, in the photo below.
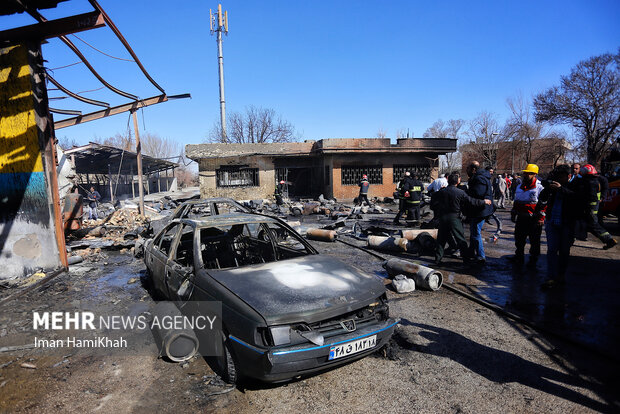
point(282, 182)
point(588, 169)
point(364, 176)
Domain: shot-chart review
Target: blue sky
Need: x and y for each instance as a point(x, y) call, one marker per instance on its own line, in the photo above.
point(331, 68)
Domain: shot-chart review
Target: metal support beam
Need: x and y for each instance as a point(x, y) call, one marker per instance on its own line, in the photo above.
point(132, 106)
point(110, 183)
point(54, 28)
point(139, 160)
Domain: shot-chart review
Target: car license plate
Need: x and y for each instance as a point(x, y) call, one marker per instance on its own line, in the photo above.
point(350, 348)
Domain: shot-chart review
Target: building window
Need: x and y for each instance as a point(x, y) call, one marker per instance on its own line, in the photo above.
point(423, 172)
point(236, 176)
point(353, 174)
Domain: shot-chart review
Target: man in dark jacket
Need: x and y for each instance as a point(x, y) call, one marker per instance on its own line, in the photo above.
point(93, 198)
point(564, 207)
point(364, 185)
point(413, 198)
point(479, 187)
point(279, 193)
point(402, 205)
point(448, 203)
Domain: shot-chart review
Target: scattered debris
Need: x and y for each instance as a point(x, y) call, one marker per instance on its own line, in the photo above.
point(321, 235)
point(425, 277)
point(57, 364)
point(403, 284)
point(412, 234)
point(34, 278)
point(75, 259)
point(133, 280)
point(28, 365)
point(394, 244)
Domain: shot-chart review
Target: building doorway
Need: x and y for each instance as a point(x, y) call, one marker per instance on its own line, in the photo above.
point(298, 180)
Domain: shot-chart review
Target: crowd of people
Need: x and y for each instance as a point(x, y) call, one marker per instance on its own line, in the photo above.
point(564, 204)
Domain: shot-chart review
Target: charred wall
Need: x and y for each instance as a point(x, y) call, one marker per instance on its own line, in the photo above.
point(27, 223)
point(386, 161)
point(266, 177)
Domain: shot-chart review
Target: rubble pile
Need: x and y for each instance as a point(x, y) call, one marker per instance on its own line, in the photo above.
point(118, 230)
point(126, 217)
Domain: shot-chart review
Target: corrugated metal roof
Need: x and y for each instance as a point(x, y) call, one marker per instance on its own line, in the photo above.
point(95, 158)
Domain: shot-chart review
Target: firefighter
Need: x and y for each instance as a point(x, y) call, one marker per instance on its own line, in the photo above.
point(363, 195)
point(279, 193)
point(603, 190)
point(413, 198)
point(528, 214)
point(400, 188)
point(592, 189)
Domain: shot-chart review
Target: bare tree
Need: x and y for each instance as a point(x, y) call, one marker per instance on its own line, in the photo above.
point(402, 133)
point(453, 160)
point(255, 125)
point(67, 143)
point(158, 147)
point(484, 135)
point(454, 128)
point(589, 100)
point(122, 141)
point(437, 130)
point(450, 129)
point(381, 133)
point(525, 132)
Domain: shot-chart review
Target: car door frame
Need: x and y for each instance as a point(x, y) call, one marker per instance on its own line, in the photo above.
point(159, 261)
point(174, 270)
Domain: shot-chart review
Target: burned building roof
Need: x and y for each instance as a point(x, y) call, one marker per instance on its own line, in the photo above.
point(101, 159)
point(323, 146)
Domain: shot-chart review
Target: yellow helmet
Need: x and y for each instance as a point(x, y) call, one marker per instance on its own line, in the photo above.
point(531, 168)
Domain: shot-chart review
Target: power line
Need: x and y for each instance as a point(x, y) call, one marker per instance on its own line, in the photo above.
point(100, 51)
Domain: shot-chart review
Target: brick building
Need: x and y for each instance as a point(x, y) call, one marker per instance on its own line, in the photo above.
point(332, 167)
point(511, 157)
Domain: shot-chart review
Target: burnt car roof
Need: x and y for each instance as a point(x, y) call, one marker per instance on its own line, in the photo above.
point(229, 219)
point(212, 200)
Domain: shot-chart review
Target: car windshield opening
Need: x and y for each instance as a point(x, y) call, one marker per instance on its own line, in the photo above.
point(239, 245)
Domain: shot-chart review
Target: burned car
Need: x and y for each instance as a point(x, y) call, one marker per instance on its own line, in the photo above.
point(286, 309)
point(200, 208)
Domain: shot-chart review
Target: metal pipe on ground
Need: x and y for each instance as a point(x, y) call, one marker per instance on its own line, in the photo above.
point(178, 345)
point(424, 277)
point(98, 231)
point(412, 234)
point(75, 259)
point(393, 244)
point(321, 235)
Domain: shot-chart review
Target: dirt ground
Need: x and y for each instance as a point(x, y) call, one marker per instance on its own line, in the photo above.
point(448, 354)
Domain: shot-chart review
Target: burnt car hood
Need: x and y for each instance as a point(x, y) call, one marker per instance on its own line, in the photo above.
point(308, 289)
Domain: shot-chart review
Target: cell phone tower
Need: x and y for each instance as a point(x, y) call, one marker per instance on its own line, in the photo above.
point(219, 23)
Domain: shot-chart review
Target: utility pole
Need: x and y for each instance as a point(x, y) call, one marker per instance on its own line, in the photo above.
point(139, 162)
point(219, 23)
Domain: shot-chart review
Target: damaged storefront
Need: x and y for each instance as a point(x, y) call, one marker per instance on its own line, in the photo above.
point(332, 167)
